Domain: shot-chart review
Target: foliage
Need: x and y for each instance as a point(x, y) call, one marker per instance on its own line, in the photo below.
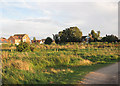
point(98, 33)
point(12, 45)
point(72, 34)
point(48, 40)
point(34, 39)
point(94, 35)
point(109, 38)
point(56, 38)
point(23, 46)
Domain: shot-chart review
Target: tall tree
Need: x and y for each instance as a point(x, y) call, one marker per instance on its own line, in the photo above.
point(94, 35)
point(98, 33)
point(89, 35)
point(72, 34)
point(56, 38)
point(34, 38)
point(48, 40)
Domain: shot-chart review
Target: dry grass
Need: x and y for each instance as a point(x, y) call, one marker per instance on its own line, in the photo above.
point(85, 62)
point(18, 64)
point(82, 63)
point(55, 71)
point(5, 54)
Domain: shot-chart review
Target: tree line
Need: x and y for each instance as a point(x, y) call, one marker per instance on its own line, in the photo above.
point(74, 34)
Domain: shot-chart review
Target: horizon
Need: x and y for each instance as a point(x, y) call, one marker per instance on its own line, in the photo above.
point(37, 38)
point(42, 19)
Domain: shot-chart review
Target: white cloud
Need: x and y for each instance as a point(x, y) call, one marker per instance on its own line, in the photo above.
point(31, 27)
point(61, 0)
point(58, 16)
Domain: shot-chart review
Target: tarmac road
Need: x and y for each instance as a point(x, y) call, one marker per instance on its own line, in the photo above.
point(105, 75)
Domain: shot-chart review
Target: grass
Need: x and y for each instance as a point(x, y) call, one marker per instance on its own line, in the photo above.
point(56, 64)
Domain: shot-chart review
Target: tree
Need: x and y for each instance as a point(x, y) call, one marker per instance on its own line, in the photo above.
point(109, 38)
point(89, 35)
point(34, 39)
point(56, 38)
point(94, 35)
point(48, 40)
point(23, 46)
point(98, 33)
point(72, 34)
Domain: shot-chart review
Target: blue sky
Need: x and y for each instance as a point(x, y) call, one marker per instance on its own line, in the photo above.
point(42, 18)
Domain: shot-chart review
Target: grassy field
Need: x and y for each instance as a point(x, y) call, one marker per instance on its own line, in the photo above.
point(56, 64)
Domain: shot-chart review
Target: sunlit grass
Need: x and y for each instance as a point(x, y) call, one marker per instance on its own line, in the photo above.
point(63, 64)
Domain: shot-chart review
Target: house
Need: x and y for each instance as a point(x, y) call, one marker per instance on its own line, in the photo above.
point(38, 41)
point(17, 38)
point(86, 38)
point(42, 41)
point(99, 38)
point(35, 41)
point(4, 41)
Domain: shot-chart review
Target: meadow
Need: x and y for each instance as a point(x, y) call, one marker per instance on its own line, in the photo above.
point(56, 64)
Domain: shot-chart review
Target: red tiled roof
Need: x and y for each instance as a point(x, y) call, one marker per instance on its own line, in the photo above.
point(19, 36)
point(43, 40)
point(35, 41)
point(2, 40)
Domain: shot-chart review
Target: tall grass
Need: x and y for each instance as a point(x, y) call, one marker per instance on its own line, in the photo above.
point(56, 63)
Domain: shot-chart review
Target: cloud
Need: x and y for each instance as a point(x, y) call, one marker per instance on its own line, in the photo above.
point(16, 3)
point(45, 18)
point(60, 0)
point(40, 29)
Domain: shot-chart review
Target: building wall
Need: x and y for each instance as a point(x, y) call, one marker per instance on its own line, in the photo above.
point(4, 43)
point(12, 40)
point(26, 39)
point(17, 41)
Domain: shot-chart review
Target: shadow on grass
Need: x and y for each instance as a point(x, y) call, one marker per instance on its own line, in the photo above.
point(72, 78)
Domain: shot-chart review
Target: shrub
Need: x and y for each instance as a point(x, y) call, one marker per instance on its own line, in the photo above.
point(110, 38)
point(48, 40)
point(33, 48)
point(11, 45)
point(23, 46)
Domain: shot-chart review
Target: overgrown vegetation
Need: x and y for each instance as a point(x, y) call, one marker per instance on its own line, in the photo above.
point(109, 38)
point(48, 40)
point(56, 64)
point(23, 46)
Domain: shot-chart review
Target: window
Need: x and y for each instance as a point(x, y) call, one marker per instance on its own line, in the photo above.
point(11, 41)
point(5, 41)
point(24, 40)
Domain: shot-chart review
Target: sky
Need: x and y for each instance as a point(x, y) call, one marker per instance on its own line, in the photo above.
point(41, 19)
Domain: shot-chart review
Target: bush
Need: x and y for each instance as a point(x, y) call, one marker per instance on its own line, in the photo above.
point(23, 46)
point(48, 40)
point(109, 38)
point(11, 45)
point(33, 47)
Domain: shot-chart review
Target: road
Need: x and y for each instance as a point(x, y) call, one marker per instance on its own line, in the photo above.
point(105, 75)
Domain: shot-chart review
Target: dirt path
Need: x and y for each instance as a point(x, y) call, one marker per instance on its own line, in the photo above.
point(106, 75)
